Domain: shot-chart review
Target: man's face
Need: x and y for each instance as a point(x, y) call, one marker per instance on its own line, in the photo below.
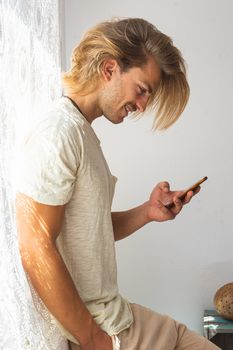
point(129, 91)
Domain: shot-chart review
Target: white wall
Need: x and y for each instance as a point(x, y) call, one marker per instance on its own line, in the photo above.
point(175, 267)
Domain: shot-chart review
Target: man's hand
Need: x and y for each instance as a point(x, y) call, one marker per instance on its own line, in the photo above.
point(127, 222)
point(160, 197)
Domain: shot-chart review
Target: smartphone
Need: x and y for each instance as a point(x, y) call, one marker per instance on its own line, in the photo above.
point(192, 188)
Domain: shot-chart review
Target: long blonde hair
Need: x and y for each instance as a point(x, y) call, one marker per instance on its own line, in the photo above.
point(131, 41)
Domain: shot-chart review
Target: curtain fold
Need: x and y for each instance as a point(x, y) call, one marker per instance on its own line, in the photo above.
point(29, 81)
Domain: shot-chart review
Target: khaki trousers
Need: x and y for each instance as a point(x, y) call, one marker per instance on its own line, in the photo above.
point(152, 331)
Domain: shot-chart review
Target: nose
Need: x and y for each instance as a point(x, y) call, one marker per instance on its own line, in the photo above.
point(141, 103)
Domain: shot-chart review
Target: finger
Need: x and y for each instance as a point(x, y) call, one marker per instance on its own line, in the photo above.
point(175, 195)
point(178, 205)
point(188, 197)
point(164, 186)
point(166, 212)
point(197, 190)
point(178, 193)
point(190, 194)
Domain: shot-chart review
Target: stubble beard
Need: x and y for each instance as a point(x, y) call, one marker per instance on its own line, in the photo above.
point(111, 100)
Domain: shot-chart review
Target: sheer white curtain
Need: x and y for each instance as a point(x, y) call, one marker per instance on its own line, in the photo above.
point(29, 81)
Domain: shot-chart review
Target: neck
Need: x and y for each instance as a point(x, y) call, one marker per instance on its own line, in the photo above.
point(88, 105)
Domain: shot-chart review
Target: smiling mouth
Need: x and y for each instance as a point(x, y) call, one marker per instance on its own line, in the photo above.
point(129, 109)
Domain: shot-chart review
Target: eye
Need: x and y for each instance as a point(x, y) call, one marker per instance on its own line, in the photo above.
point(142, 91)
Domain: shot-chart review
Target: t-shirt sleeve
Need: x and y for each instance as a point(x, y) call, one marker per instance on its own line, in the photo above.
point(47, 164)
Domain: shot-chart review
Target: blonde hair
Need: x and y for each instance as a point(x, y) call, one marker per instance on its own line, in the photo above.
point(131, 41)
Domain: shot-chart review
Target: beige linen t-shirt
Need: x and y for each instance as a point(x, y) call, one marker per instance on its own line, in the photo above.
point(61, 162)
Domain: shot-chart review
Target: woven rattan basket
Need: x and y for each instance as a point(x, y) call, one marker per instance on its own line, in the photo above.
point(223, 301)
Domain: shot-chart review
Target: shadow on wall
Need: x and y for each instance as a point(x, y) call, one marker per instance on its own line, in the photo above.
point(213, 276)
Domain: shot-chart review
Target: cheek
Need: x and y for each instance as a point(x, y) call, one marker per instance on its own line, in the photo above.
point(129, 94)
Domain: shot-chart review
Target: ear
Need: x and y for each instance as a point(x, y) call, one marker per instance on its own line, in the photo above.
point(109, 68)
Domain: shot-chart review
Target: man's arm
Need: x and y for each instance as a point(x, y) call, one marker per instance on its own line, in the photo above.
point(38, 227)
point(127, 222)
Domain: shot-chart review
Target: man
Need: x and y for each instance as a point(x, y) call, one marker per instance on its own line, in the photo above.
point(65, 190)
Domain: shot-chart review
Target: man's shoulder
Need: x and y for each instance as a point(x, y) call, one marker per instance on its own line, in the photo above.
point(62, 115)
point(58, 122)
